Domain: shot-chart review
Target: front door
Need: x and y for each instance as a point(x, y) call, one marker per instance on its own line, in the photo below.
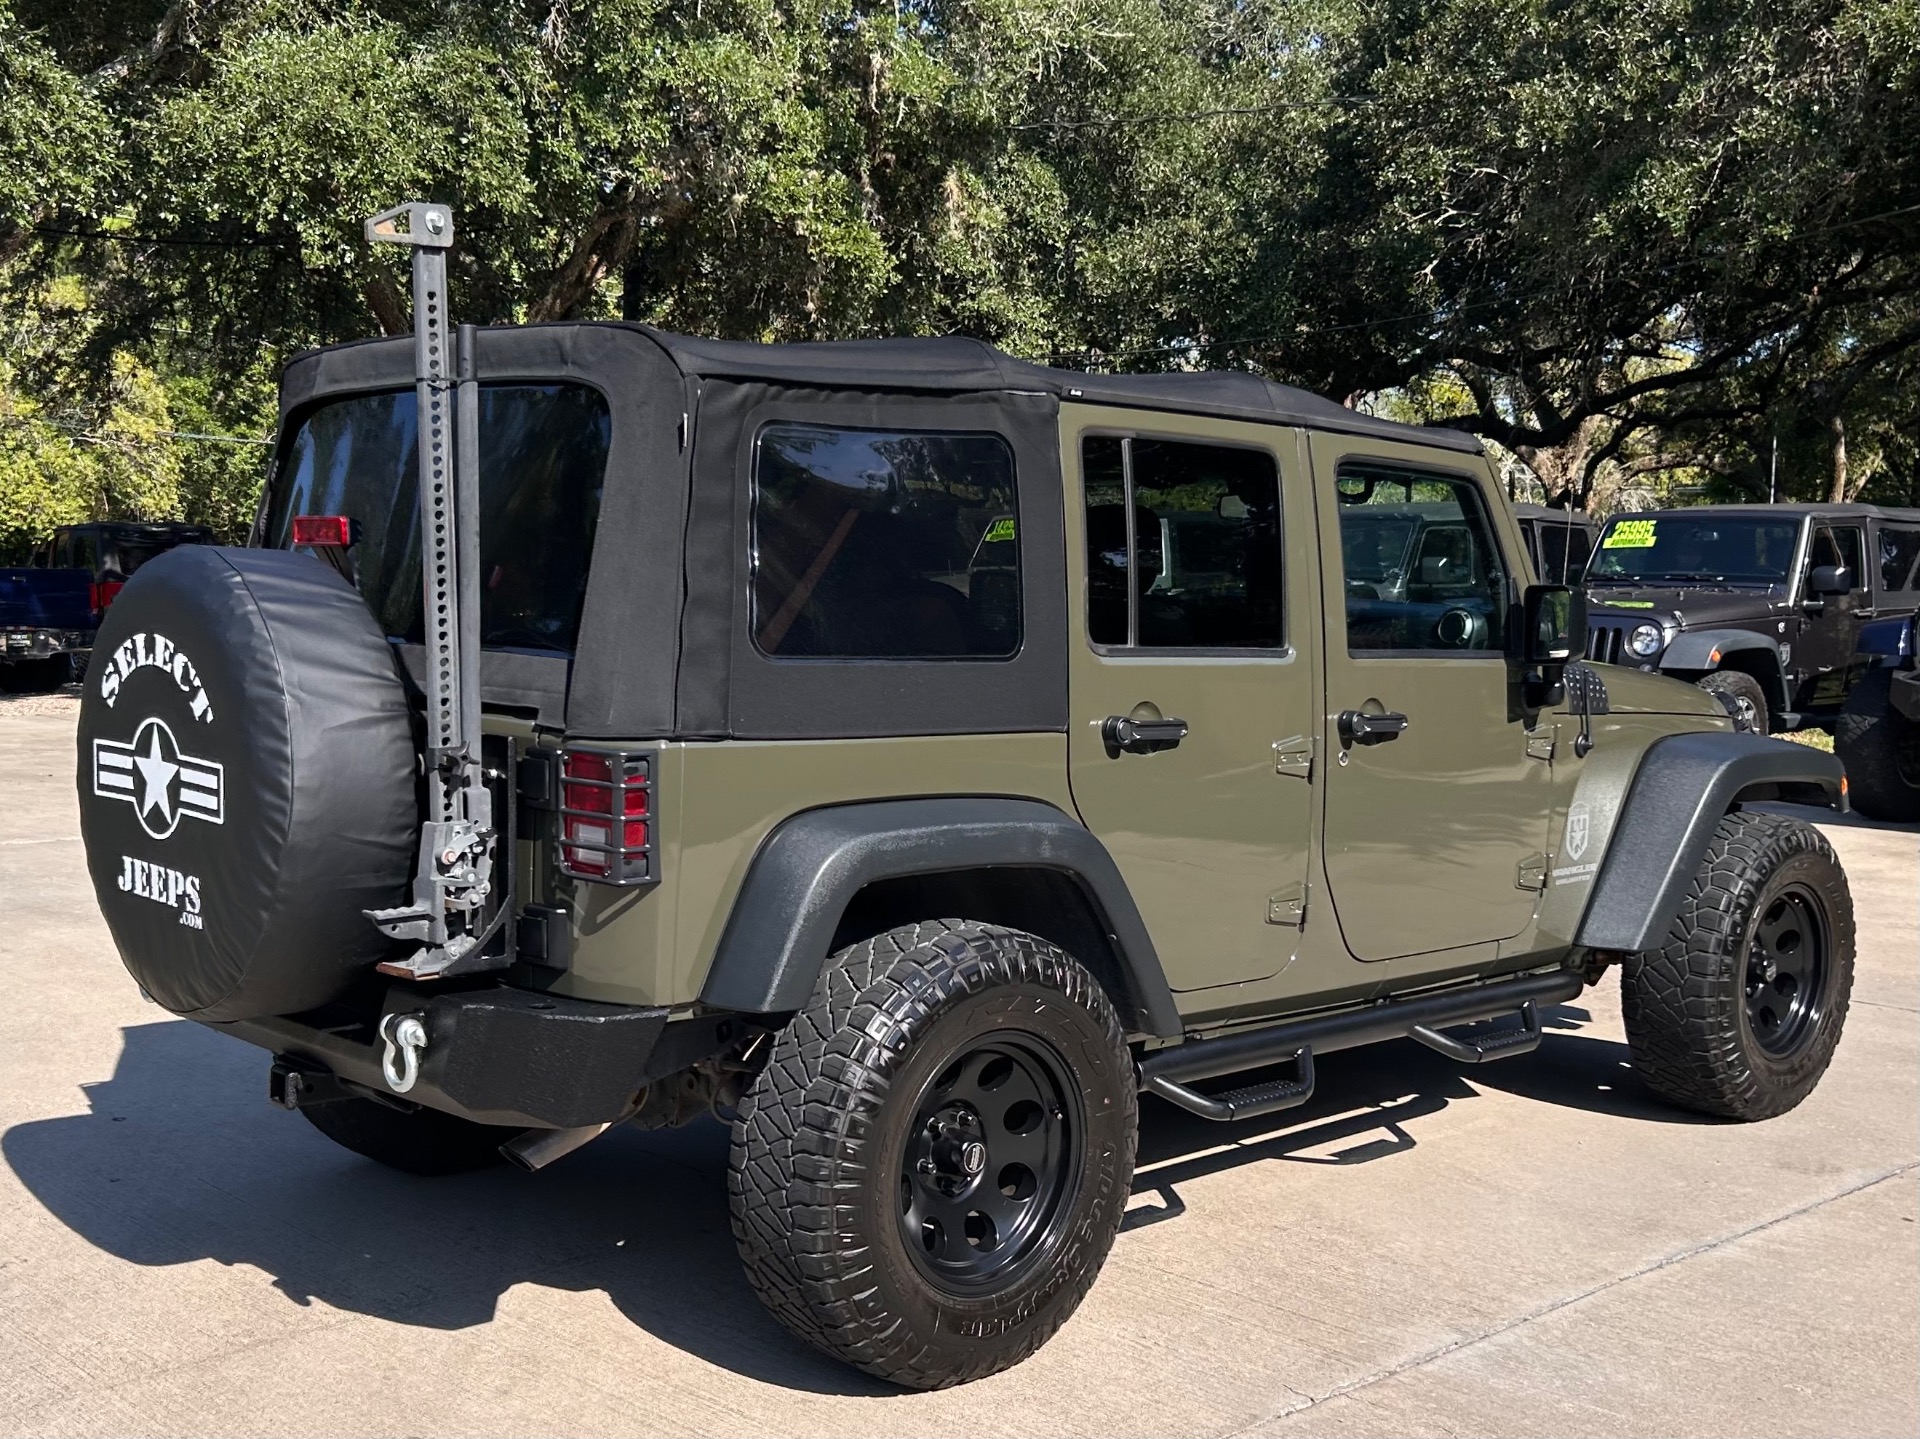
point(1830, 626)
point(1192, 703)
point(1434, 806)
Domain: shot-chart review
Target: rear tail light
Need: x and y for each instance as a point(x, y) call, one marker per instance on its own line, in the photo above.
point(337, 532)
point(100, 594)
point(606, 816)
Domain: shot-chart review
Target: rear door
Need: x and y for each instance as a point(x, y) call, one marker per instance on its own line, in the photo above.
point(1436, 812)
point(1190, 577)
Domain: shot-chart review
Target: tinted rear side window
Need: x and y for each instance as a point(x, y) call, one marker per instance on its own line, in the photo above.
point(1899, 558)
point(1199, 568)
point(884, 544)
point(543, 459)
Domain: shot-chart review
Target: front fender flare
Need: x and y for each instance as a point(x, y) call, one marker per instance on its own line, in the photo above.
point(1685, 784)
point(1695, 649)
point(800, 882)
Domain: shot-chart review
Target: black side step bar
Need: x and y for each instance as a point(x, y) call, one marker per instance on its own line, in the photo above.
point(1479, 1048)
point(1247, 1102)
point(1169, 1072)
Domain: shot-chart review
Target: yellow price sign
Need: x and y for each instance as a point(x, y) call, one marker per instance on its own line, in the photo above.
point(1630, 535)
point(999, 531)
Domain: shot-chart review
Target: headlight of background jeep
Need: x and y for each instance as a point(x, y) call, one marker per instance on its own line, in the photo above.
point(1645, 640)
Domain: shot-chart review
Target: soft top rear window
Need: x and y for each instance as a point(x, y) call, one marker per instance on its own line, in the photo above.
point(543, 459)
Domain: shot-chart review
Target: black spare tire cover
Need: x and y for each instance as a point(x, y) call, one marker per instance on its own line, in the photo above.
point(247, 781)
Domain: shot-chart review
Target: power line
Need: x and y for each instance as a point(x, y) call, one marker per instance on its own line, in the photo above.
point(81, 432)
point(1182, 117)
point(120, 237)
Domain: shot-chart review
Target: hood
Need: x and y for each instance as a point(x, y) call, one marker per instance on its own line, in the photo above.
point(1693, 607)
point(1632, 691)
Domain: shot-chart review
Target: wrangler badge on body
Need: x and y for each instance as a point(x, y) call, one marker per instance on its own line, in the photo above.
point(162, 784)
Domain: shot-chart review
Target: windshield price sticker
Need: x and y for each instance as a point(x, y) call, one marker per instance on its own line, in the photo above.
point(1630, 535)
point(1000, 530)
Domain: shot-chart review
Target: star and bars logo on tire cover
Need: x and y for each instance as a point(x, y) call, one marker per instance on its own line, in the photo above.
point(162, 784)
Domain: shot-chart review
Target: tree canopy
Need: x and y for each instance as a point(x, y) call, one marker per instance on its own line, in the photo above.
point(1638, 244)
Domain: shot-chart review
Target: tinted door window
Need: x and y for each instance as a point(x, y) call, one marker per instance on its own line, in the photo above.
point(884, 544)
point(1183, 544)
point(1839, 546)
point(1563, 551)
point(543, 457)
point(1899, 558)
point(1422, 572)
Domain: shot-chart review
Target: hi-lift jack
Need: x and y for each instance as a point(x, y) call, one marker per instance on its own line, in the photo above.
point(454, 875)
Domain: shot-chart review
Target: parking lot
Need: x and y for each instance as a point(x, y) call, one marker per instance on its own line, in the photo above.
point(1536, 1247)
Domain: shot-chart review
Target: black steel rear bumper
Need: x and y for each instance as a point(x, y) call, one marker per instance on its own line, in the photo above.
point(497, 1055)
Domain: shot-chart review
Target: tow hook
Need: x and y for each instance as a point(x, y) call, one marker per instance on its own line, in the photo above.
point(405, 1038)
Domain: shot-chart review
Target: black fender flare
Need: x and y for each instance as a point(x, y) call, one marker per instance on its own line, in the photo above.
point(812, 865)
point(1684, 786)
point(1703, 651)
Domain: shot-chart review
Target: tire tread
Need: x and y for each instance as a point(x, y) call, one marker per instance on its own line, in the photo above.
point(1682, 1002)
point(799, 1138)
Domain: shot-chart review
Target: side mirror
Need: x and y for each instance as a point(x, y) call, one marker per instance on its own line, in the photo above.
point(1553, 626)
point(1827, 581)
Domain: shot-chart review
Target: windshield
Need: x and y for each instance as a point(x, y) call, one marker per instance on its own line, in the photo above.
point(543, 457)
point(1695, 549)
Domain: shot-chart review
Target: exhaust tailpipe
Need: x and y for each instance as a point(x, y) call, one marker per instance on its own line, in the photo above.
point(538, 1148)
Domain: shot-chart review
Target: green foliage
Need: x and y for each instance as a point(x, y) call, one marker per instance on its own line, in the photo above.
point(1631, 242)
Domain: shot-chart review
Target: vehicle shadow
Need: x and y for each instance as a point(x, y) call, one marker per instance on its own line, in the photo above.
point(179, 1160)
point(1367, 1102)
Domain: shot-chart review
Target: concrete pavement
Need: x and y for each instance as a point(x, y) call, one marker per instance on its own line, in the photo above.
point(1536, 1248)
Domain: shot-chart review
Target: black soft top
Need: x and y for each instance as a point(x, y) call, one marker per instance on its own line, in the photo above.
point(955, 365)
point(658, 653)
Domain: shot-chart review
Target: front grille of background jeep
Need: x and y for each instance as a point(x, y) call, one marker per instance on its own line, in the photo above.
point(1606, 641)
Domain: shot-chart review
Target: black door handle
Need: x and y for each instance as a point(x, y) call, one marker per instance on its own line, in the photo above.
point(1141, 736)
point(1359, 727)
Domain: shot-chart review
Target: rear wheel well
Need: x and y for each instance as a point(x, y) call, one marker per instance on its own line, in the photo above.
point(1044, 902)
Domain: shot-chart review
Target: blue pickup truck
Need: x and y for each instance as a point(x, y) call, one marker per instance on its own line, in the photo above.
point(50, 609)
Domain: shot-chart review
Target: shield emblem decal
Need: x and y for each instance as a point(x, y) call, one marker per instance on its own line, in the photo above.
point(1579, 829)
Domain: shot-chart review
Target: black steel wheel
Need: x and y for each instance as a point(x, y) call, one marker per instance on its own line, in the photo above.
point(992, 1153)
point(930, 1170)
point(1738, 1012)
point(1787, 970)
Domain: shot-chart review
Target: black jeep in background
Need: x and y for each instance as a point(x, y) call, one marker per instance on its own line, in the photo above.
point(1761, 605)
point(1560, 542)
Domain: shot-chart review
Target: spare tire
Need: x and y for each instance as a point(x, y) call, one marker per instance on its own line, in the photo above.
point(247, 781)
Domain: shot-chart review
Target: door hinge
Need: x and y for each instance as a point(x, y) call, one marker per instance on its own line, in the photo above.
point(1294, 756)
point(1532, 873)
point(1288, 906)
point(1540, 742)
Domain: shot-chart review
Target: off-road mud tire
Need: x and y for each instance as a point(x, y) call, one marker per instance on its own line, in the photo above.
point(818, 1146)
point(420, 1141)
point(1685, 1002)
point(1881, 750)
point(1745, 701)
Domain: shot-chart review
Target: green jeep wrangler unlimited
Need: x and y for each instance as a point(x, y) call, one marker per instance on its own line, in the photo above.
point(607, 726)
